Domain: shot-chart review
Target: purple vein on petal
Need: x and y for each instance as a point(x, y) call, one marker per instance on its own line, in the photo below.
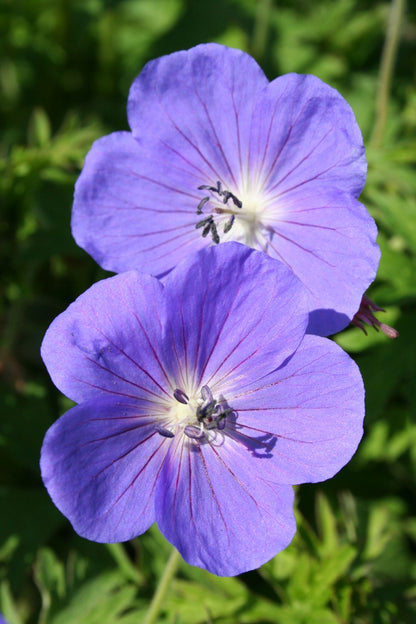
point(237, 123)
point(128, 357)
point(267, 143)
point(112, 462)
point(110, 391)
point(186, 137)
point(315, 147)
point(153, 350)
point(150, 496)
point(290, 240)
point(183, 226)
point(230, 353)
point(237, 480)
point(217, 338)
point(140, 176)
point(210, 485)
point(185, 350)
point(283, 192)
point(218, 142)
point(126, 453)
point(200, 327)
point(295, 440)
point(111, 372)
point(311, 225)
point(131, 207)
point(191, 509)
point(178, 362)
point(164, 161)
point(202, 173)
point(241, 340)
point(249, 145)
point(142, 469)
point(177, 480)
point(192, 232)
point(278, 254)
point(271, 433)
point(285, 142)
point(293, 375)
point(111, 436)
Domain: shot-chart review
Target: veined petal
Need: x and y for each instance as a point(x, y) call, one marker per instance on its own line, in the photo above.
point(104, 343)
point(308, 415)
point(129, 214)
point(329, 240)
point(239, 314)
point(100, 462)
point(302, 131)
point(196, 106)
point(223, 521)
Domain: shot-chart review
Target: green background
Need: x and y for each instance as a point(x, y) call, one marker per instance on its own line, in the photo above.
point(65, 70)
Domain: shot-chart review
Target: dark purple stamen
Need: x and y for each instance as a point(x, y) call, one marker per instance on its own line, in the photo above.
point(204, 222)
point(181, 396)
point(229, 224)
point(208, 224)
point(207, 229)
point(164, 432)
point(201, 204)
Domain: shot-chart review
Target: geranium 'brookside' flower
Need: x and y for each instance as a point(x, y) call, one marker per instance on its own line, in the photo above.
point(219, 153)
point(200, 403)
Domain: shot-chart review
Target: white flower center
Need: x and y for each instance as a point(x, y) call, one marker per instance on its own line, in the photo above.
point(195, 416)
point(246, 216)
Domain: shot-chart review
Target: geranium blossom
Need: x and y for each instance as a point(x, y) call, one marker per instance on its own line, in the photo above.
point(216, 153)
point(201, 401)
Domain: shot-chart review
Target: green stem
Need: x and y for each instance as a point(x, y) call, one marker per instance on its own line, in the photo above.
point(388, 59)
point(162, 588)
point(261, 26)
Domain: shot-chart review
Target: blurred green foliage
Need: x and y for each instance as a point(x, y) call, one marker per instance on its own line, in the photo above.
point(65, 70)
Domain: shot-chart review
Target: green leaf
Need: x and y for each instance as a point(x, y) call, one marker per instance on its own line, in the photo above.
point(39, 131)
point(99, 601)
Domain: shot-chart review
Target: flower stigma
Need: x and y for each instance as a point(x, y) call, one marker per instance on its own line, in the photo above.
point(197, 417)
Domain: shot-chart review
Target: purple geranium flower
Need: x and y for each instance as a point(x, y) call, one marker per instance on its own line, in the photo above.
point(219, 153)
point(201, 402)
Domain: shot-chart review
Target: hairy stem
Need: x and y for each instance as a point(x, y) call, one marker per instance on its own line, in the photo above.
point(261, 26)
point(388, 58)
point(162, 588)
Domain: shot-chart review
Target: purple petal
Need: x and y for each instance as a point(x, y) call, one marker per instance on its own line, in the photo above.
point(303, 131)
point(104, 343)
point(239, 314)
point(129, 213)
point(100, 463)
point(195, 107)
point(227, 522)
point(307, 416)
point(329, 240)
